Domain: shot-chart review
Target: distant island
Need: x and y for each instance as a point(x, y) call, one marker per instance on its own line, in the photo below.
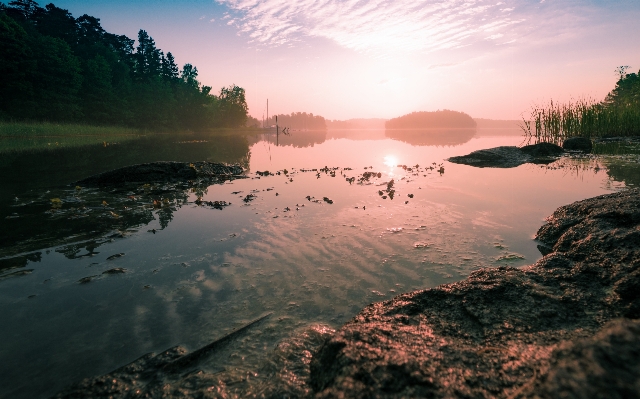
point(445, 119)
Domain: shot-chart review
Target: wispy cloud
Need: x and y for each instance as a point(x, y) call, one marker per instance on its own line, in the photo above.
point(377, 25)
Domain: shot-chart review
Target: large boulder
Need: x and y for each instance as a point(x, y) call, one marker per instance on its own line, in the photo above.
point(498, 157)
point(538, 331)
point(510, 156)
point(578, 144)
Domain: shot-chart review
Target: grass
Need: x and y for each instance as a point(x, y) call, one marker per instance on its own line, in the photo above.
point(24, 136)
point(583, 118)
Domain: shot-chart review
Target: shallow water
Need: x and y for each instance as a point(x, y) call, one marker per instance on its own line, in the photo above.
point(194, 273)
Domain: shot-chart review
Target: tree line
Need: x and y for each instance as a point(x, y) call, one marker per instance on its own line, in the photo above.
point(627, 90)
point(58, 68)
point(298, 121)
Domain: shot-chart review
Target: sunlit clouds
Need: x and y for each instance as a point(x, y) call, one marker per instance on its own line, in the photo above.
point(376, 26)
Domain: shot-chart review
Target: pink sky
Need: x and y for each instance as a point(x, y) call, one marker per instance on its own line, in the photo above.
point(385, 58)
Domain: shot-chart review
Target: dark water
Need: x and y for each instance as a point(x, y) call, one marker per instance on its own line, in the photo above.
point(194, 273)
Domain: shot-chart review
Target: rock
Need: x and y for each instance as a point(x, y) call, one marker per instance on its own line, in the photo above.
point(162, 172)
point(604, 366)
point(498, 157)
point(510, 156)
point(537, 331)
point(542, 150)
point(578, 144)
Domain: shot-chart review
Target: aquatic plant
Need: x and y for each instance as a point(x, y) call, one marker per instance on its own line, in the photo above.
point(582, 118)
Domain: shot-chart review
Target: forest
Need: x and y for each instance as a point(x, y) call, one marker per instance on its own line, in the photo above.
point(58, 68)
point(298, 121)
point(430, 120)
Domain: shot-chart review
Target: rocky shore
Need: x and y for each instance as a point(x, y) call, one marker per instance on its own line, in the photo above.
point(564, 327)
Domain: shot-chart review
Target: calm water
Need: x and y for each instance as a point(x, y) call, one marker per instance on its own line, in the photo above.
point(194, 273)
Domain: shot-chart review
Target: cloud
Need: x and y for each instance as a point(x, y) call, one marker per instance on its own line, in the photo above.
point(377, 26)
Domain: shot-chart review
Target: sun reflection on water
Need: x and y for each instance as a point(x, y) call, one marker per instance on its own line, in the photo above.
point(391, 161)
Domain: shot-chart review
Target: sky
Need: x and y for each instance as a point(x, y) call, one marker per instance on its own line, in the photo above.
point(346, 59)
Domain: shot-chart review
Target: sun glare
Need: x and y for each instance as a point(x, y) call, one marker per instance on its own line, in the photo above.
point(391, 161)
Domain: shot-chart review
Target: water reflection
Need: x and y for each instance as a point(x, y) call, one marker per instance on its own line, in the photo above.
point(21, 172)
point(296, 138)
point(432, 137)
point(193, 272)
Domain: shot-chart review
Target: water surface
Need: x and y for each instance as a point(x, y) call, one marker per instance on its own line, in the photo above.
point(194, 273)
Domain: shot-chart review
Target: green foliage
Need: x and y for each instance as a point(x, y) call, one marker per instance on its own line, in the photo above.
point(59, 68)
point(432, 120)
point(21, 136)
point(232, 107)
point(617, 115)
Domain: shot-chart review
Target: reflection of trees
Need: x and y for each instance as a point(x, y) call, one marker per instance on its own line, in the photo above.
point(165, 215)
point(59, 167)
point(294, 139)
point(626, 172)
point(435, 137)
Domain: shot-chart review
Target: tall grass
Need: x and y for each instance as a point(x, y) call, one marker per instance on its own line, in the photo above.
point(24, 136)
point(583, 118)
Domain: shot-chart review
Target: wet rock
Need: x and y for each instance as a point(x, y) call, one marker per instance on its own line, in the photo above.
point(509, 156)
point(604, 366)
point(538, 331)
point(162, 172)
point(115, 256)
point(578, 144)
point(498, 157)
point(542, 150)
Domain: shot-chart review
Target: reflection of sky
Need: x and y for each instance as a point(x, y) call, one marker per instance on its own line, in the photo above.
point(304, 259)
point(384, 58)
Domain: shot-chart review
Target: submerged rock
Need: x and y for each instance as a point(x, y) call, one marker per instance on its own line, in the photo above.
point(578, 144)
point(162, 172)
point(509, 156)
point(538, 331)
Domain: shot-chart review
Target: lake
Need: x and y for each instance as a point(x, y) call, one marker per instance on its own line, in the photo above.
point(342, 219)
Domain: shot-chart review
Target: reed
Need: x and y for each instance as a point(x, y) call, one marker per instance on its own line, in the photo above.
point(583, 118)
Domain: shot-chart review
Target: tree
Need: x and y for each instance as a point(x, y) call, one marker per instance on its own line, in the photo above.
point(98, 97)
point(627, 90)
point(56, 80)
point(189, 76)
point(56, 22)
point(89, 30)
point(232, 107)
point(23, 9)
point(147, 57)
point(16, 66)
point(169, 68)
